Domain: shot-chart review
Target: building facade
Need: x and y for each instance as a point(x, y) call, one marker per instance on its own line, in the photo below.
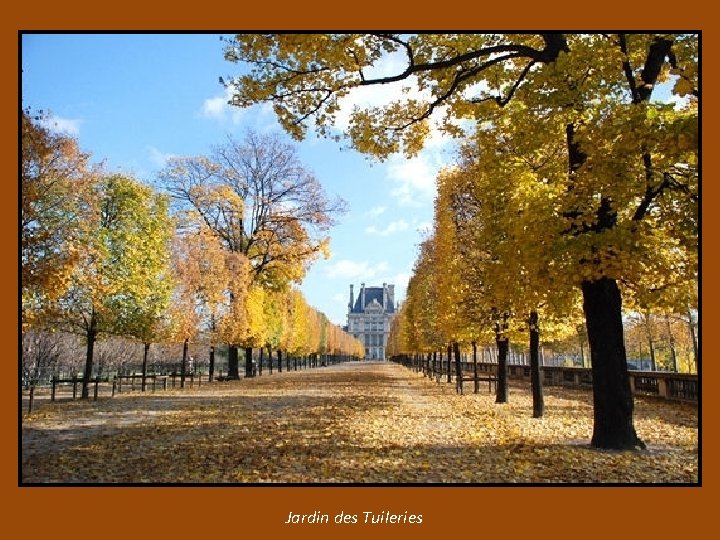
point(369, 318)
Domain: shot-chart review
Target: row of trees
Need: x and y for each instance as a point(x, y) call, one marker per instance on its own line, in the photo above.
point(107, 255)
point(575, 189)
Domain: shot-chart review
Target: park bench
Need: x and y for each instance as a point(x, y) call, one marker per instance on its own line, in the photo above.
point(477, 379)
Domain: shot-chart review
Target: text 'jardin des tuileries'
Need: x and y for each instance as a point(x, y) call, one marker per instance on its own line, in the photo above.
point(344, 518)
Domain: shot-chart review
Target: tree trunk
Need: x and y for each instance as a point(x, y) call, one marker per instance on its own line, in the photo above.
point(501, 395)
point(612, 398)
point(476, 390)
point(211, 366)
point(89, 354)
point(449, 363)
point(537, 390)
point(279, 355)
point(503, 344)
point(270, 366)
point(458, 366)
point(233, 362)
point(261, 357)
point(144, 366)
point(248, 362)
point(183, 366)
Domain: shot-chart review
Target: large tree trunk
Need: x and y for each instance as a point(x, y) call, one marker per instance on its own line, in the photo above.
point(612, 398)
point(233, 362)
point(536, 379)
point(89, 354)
point(279, 355)
point(144, 365)
point(248, 362)
point(211, 367)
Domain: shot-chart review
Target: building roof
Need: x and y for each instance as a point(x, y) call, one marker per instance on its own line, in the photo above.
point(372, 293)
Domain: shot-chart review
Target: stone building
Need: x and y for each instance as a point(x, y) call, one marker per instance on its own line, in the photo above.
point(369, 318)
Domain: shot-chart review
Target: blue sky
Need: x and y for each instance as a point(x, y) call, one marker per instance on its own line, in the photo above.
point(133, 100)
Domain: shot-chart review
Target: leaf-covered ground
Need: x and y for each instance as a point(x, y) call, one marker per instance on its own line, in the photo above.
point(351, 423)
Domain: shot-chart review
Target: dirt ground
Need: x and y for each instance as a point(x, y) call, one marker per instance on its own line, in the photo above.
point(359, 422)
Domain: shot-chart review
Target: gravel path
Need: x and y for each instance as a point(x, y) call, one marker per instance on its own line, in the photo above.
point(351, 423)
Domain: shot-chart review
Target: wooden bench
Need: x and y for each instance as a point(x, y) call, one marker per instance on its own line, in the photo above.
point(489, 378)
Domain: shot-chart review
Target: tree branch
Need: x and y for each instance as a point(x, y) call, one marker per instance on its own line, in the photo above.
point(627, 68)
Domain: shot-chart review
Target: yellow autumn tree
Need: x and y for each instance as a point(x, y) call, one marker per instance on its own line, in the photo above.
point(205, 274)
point(120, 285)
point(276, 322)
point(298, 337)
point(55, 183)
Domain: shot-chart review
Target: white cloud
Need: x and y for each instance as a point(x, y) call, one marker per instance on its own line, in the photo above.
point(215, 107)
point(218, 108)
point(157, 157)
point(376, 211)
point(350, 270)
point(56, 124)
point(414, 179)
point(393, 227)
point(400, 281)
